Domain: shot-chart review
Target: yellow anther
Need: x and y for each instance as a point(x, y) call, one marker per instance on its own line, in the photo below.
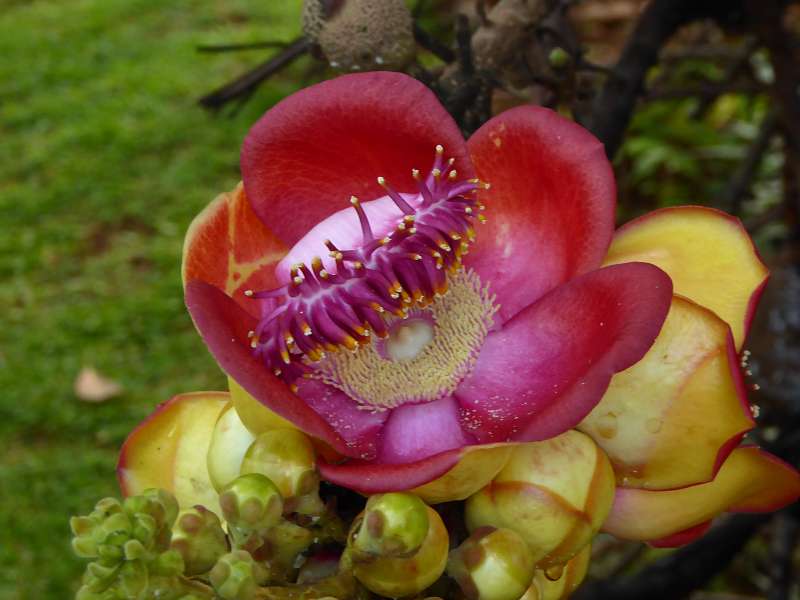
point(416, 256)
point(250, 333)
point(415, 173)
point(412, 230)
point(350, 342)
point(248, 293)
point(439, 149)
point(445, 246)
point(254, 344)
point(306, 329)
point(277, 372)
point(358, 265)
point(293, 387)
point(436, 173)
point(482, 219)
point(297, 280)
point(285, 357)
point(353, 200)
point(455, 236)
point(324, 274)
point(385, 241)
point(381, 181)
point(409, 218)
point(468, 210)
point(452, 175)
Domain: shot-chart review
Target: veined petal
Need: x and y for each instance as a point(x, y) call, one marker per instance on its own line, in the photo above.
point(229, 247)
point(707, 253)
point(550, 365)
point(168, 450)
point(550, 208)
point(671, 419)
point(308, 154)
point(223, 325)
point(751, 480)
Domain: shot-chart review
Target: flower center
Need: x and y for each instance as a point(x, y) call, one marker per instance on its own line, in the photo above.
point(394, 318)
point(407, 339)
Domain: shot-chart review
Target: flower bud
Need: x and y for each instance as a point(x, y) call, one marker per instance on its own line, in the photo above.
point(554, 493)
point(558, 582)
point(251, 502)
point(287, 457)
point(492, 564)
point(236, 576)
point(393, 525)
point(397, 577)
point(199, 538)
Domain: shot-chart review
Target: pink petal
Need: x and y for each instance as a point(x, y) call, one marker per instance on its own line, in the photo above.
point(305, 157)
point(550, 208)
point(358, 428)
point(416, 431)
point(550, 365)
point(223, 324)
point(375, 478)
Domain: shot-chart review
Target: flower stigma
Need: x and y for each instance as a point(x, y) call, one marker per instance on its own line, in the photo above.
point(394, 318)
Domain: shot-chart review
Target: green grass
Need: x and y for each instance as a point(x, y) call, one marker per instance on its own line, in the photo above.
point(104, 160)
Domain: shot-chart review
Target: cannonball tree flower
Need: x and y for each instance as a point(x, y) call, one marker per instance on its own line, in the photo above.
point(349, 286)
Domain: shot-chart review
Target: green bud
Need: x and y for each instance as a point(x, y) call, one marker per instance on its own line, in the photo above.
point(236, 576)
point(251, 502)
point(393, 525)
point(199, 538)
point(559, 58)
point(287, 457)
point(492, 564)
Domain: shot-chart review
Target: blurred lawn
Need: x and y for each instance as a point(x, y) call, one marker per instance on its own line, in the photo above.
point(104, 160)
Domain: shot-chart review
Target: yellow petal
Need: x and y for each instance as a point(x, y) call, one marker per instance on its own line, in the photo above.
point(229, 443)
point(671, 419)
point(477, 466)
point(167, 450)
point(707, 253)
point(255, 416)
point(751, 480)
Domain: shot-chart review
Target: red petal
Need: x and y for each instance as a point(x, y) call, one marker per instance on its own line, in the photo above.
point(358, 428)
point(416, 431)
point(682, 537)
point(224, 326)
point(550, 365)
point(229, 247)
point(305, 157)
point(550, 208)
point(375, 478)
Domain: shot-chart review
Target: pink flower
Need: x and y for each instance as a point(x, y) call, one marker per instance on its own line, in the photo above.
point(393, 327)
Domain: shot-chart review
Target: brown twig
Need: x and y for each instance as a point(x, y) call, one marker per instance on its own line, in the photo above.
point(243, 86)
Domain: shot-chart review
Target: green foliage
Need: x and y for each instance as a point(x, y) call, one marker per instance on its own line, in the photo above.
point(104, 161)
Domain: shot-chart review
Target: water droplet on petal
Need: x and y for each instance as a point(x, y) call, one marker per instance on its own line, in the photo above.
point(554, 573)
point(653, 425)
point(607, 426)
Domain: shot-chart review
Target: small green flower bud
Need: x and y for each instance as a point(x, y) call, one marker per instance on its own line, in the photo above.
point(397, 577)
point(394, 525)
point(492, 564)
point(236, 576)
point(198, 536)
point(287, 457)
point(251, 502)
point(559, 58)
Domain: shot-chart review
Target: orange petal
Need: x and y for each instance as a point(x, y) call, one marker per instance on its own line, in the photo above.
point(477, 467)
point(671, 419)
point(168, 450)
point(751, 480)
point(230, 248)
point(707, 253)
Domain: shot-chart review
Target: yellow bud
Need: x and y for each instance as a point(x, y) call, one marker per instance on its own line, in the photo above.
point(555, 494)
